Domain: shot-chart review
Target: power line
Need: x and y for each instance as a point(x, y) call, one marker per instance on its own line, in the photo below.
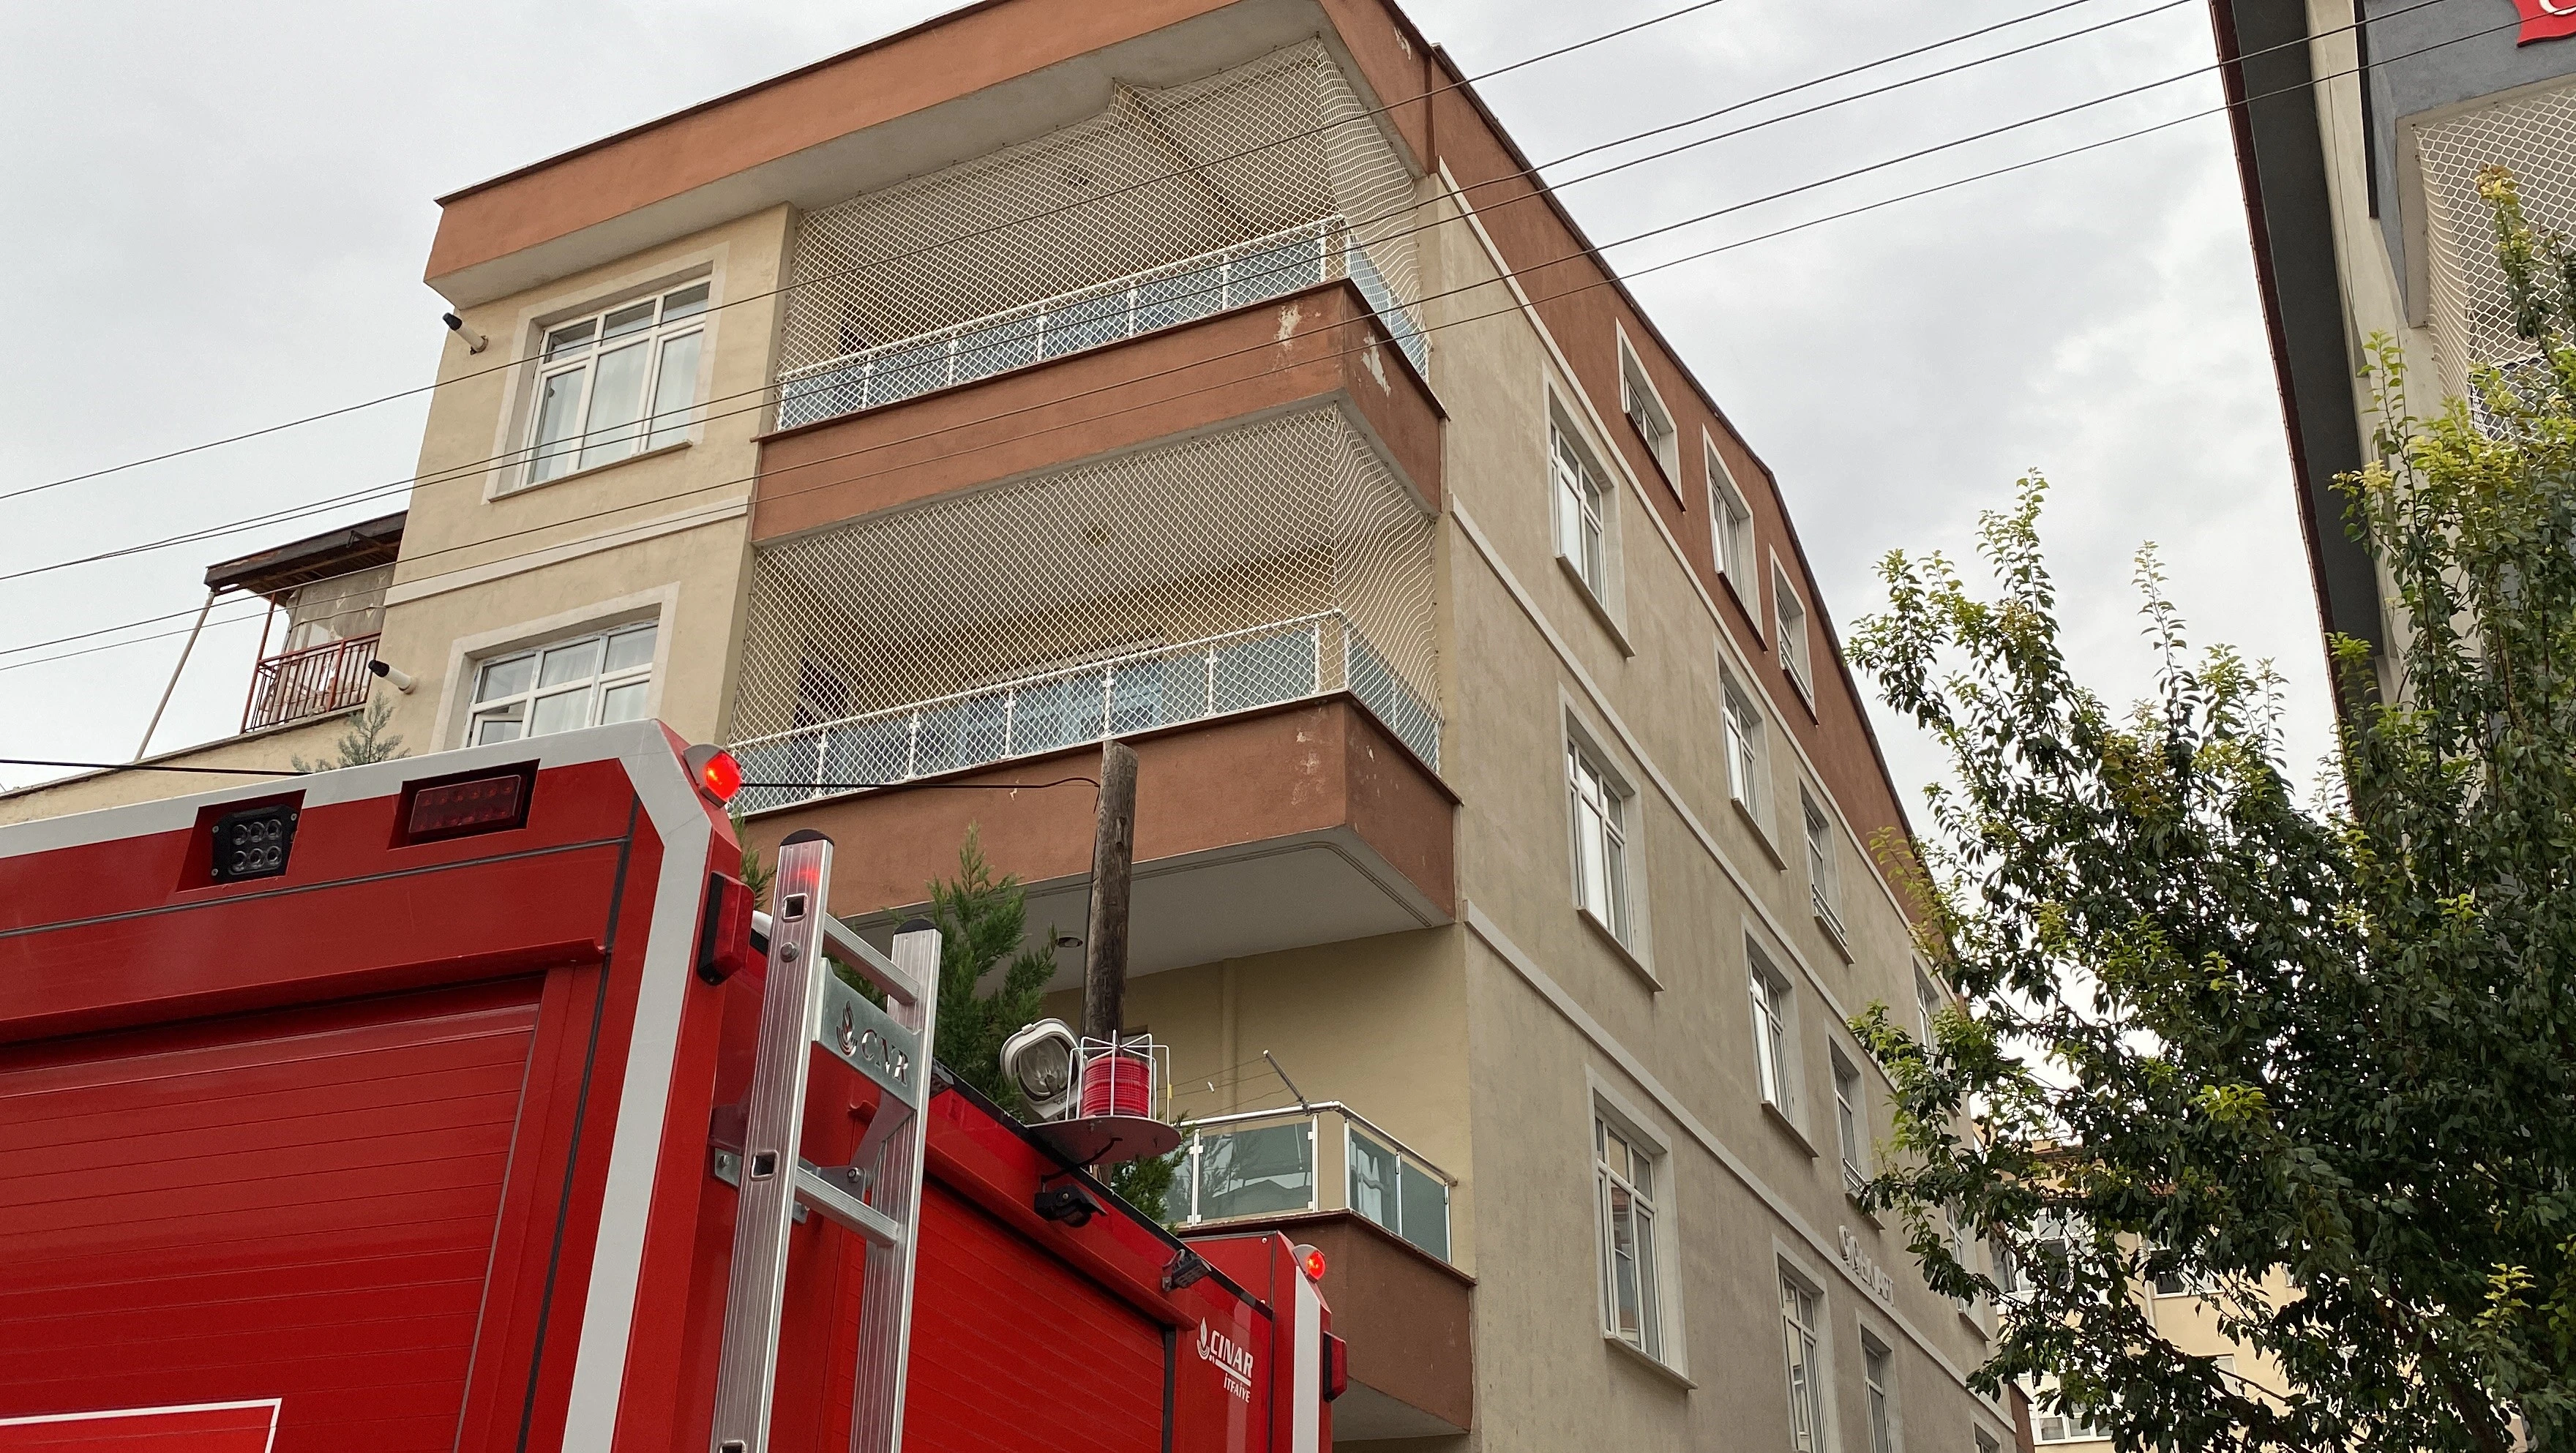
point(1658, 267)
point(762, 393)
point(1095, 199)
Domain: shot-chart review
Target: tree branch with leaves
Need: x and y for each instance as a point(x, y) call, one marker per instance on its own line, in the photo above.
point(2211, 1031)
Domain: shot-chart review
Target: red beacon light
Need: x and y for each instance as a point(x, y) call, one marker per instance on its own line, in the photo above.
point(1310, 1260)
point(714, 772)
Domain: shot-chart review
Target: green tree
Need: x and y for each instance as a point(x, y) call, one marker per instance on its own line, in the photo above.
point(982, 923)
point(365, 741)
point(2208, 1031)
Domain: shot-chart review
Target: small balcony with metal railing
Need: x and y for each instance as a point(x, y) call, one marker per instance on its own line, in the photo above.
point(1146, 301)
point(1168, 206)
point(326, 598)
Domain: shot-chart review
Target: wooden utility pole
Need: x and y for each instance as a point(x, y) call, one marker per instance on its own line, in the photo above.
point(1113, 861)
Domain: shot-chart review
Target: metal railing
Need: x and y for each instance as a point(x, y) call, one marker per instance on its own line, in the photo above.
point(1275, 1162)
point(1166, 686)
point(310, 682)
point(1092, 317)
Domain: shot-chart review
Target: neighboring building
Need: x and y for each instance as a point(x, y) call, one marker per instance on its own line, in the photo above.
point(1209, 373)
point(2182, 1316)
point(326, 609)
point(2366, 219)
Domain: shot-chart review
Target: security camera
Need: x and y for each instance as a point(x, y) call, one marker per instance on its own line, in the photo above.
point(401, 680)
point(1040, 1060)
point(474, 342)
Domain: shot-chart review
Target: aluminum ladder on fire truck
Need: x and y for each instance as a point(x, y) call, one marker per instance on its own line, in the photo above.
point(877, 1196)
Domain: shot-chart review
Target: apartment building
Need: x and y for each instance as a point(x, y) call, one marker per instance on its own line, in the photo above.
point(2361, 129)
point(1213, 374)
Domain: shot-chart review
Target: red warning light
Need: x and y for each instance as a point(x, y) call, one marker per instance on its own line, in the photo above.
point(1310, 1260)
point(718, 774)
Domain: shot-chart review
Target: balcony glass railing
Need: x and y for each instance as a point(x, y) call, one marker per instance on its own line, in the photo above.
point(1239, 671)
point(1321, 1157)
point(1104, 313)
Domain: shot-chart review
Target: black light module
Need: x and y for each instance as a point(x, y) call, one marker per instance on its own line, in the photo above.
point(254, 842)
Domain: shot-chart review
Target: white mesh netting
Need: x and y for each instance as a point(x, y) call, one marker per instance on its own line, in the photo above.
point(1239, 569)
point(1170, 205)
point(2532, 136)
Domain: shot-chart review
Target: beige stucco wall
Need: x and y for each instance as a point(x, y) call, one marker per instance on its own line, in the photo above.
point(1561, 1019)
point(486, 568)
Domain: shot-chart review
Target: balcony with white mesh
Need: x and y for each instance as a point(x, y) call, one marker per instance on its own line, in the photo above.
point(1232, 572)
point(1169, 206)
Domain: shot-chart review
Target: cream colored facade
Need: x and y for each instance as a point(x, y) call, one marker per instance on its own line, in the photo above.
point(1494, 1045)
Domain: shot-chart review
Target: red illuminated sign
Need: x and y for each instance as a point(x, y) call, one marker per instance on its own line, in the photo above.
point(2546, 19)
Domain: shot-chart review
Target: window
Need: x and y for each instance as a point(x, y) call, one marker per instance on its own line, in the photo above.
point(1647, 414)
point(1986, 1442)
point(1731, 521)
point(1792, 618)
point(1851, 1124)
point(1772, 1059)
point(1927, 1004)
point(1399, 1195)
point(1744, 764)
point(1626, 1175)
point(1806, 1398)
point(2059, 1425)
point(2178, 1282)
point(597, 374)
point(565, 686)
point(1582, 513)
point(1963, 1248)
point(1824, 887)
point(1875, 1379)
point(1600, 842)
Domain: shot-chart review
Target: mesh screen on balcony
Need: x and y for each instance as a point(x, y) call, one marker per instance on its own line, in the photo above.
point(1234, 570)
point(1245, 184)
point(2535, 138)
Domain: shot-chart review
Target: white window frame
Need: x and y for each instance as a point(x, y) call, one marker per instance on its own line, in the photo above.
point(1598, 813)
point(1802, 1353)
point(1584, 509)
point(660, 422)
point(1730, 523)
point(1878, 1392)
point(1746, 744)
point(1773, 1000)
point(1928, 1000)
point(2052, 1428)
point(1851, 1121)
point(1643, 405)
point(1789, 618)
point(1610, 1182)
point(595, 685)
point(1824, 868)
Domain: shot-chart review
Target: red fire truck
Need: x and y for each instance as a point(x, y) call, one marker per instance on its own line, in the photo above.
point(464, 1103)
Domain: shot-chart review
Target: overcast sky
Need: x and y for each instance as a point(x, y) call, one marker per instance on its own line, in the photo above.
point(216, 219)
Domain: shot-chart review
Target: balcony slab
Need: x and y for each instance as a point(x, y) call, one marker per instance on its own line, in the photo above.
point(1408, 1317)
point(1265, 358)
point(1296, 824)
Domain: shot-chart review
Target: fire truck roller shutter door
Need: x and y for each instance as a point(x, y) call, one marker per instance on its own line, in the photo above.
point(297, 1204)
point(1013, 1349)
